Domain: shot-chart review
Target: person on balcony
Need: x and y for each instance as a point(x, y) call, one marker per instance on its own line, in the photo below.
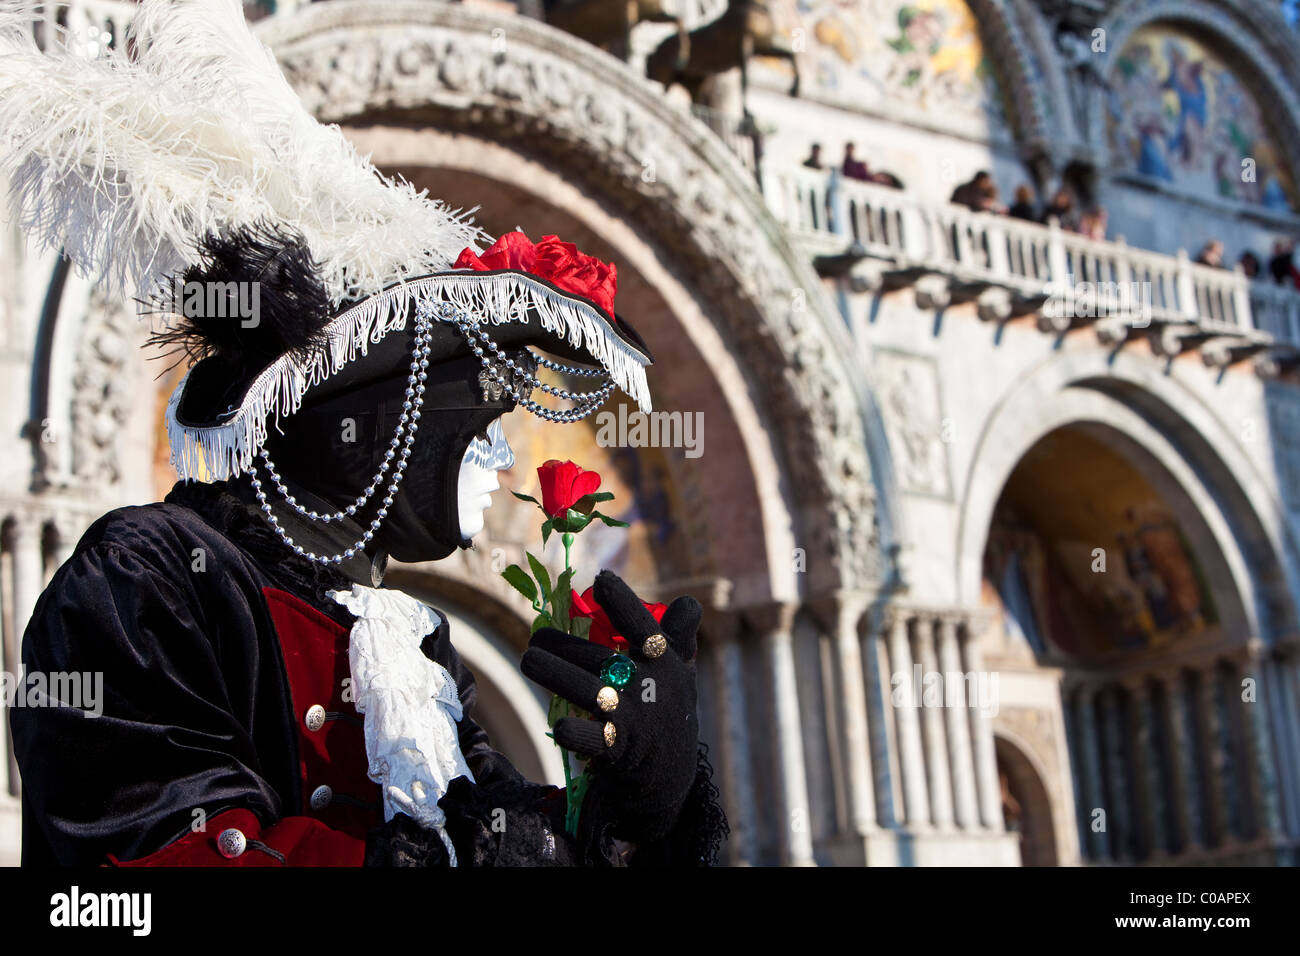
point(1093, 223)
point(854, 168)
point(1063, 210)
point(814, 160)
point(1024, 207)
point(1211, 254)
point(978, 194)
point(1281, 267)
point(1249, 264)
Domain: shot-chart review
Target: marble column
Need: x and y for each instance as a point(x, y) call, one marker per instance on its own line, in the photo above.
point(933, 704)
point(734, 763)
point(69, 532)
point(8, 662)
point(981, 726)
point(794, 834)
point(28, 570)
point(957, 718)
point(1117, 777)
point(1261, 775)
point(880, 727)
point(1179, 717)
point(1286, 680)
point(902, 698)
point(842, 614)
point(1214, 755)
point(1150, 823)
point(1094, 797)
point(28, 581)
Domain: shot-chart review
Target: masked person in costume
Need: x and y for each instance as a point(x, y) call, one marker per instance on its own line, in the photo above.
point(266, 701)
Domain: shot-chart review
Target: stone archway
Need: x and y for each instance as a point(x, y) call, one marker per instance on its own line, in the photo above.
point(1027, 807)
point(1186, 453)
point(521, 83)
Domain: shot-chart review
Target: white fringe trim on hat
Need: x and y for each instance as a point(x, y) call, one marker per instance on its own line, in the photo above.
point(218, 452)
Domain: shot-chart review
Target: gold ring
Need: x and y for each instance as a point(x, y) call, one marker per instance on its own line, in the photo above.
point(654, 646)
point(611, 733)
point(607, 699)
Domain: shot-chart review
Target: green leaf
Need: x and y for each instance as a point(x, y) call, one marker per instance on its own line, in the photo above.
point(612, 522)
point(547, 527)
point(584, 504)
point(575, 522)
point(526, 498)
point(518, 579)
point(542, 620)
point(560, 600)
point(580, 627)
point(574, 795)
point(542, 575)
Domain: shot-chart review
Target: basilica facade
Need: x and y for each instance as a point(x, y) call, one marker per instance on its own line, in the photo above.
point(991, 494)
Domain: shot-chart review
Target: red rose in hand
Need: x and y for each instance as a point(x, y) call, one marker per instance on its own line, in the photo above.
point(602, 631)
point(559, 263)
point(563, 485)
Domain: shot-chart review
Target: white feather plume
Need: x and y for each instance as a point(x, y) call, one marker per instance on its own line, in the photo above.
point(188, 127)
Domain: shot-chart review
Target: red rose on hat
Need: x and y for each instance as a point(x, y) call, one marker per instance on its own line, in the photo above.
point(558, 262)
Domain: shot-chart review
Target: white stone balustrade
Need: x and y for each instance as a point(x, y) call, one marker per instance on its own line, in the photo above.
point(828, 212)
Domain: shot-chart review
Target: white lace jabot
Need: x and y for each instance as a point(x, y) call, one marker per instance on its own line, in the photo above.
point(410, 704)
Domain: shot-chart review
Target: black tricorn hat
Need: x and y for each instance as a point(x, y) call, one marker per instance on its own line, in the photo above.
point(252, 371)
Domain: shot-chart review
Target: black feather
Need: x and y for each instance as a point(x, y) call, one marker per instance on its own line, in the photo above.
point(254, 294)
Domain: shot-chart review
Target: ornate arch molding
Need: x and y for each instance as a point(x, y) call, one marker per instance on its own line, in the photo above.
point(1012, 35)
point(519, 81)
point(1249, 35)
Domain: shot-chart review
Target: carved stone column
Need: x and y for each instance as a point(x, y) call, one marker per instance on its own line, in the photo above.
point(1150, 822)
point(1089, 752)
point(29, 574)
point(794, 834)
point(957, 718)
point(981, 727)
point(1286, 683)
point(1262, 776)
point(1215, 754)
point(902, 698)
point(734, 764)
point(842, 613)
point(880, 725)
point(1179, 718)
point(932, 731)
point(1119, 815)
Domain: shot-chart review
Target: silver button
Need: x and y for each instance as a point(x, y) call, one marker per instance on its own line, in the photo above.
point(315, 718)
point(231, 843)
point(322, 797)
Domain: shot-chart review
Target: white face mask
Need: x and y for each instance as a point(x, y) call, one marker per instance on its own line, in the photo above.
point(478, 477)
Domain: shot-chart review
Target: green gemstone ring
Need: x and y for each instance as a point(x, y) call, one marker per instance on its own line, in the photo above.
point(617, 671)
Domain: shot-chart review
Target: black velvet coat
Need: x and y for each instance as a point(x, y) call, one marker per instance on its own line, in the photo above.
point(182, 606)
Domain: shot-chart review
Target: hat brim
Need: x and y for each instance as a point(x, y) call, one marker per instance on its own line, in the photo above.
point(516, 309)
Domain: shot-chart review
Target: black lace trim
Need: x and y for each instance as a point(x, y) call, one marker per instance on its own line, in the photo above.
point(701, 828)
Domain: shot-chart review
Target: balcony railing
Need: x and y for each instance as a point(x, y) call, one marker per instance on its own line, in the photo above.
point(1032, 261)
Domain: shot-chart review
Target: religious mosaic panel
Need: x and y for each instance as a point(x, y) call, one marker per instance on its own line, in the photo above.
point(1178, 114)
point(924, 56)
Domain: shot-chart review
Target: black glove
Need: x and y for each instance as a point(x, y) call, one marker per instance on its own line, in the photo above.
point(641, 781)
